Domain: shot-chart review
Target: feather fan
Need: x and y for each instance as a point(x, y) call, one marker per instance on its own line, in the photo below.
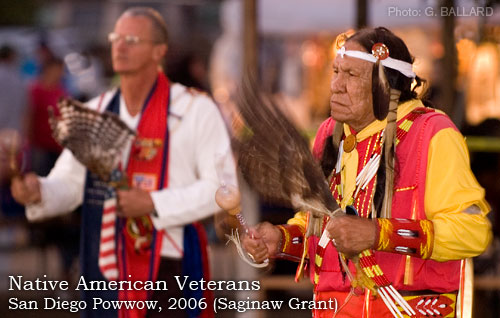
point(276, 162)
point(275, 159)
point(96, 139)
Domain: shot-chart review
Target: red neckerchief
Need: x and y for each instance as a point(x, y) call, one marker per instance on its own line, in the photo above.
point(139, 242)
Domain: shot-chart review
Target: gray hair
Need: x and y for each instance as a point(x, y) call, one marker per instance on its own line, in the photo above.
point(160, 33)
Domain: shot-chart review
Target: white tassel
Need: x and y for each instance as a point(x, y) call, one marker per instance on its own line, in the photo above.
point(401, 301)
point(367, 173)
point(235, 238)
point(389, 303)
point(391, 297)
point(339, 157)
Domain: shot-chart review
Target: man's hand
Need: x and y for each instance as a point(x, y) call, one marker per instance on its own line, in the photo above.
point(351, 234)
point(134, 203)
point(262, 241)
point(26, 189)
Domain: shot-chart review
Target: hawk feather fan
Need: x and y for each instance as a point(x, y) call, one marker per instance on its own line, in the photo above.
point(96, 139)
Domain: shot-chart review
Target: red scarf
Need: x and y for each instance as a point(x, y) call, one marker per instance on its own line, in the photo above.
point(139, 243)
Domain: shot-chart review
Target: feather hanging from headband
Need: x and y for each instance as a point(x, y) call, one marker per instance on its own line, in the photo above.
point(385, 104)
point(380, 91)
point(275, 159)
point(389, 150)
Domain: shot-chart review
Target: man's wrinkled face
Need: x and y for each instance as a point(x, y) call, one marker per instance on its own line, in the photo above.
point(132, 57)
point(351, 88)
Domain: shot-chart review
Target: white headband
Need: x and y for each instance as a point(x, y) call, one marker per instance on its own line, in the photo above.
point(404, 68)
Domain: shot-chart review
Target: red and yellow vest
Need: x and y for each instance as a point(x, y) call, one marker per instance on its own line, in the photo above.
point(414, 133)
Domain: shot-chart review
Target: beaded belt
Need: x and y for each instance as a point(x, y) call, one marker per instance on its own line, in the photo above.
point(432, 305)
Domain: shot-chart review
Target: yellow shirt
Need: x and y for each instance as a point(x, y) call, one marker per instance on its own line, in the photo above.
point(459, 230)
point(457, 208)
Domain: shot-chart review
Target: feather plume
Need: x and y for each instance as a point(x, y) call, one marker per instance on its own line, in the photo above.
point(380, 90)
point(275, 159)
point(96, 139)
point(389, 149)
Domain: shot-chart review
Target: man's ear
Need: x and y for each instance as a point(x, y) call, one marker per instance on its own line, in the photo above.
point(159, 52)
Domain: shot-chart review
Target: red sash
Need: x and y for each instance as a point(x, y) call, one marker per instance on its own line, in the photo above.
point(139, 243)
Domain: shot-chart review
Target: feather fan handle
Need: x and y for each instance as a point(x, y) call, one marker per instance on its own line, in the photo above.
point(96, 139)
point(11, 154)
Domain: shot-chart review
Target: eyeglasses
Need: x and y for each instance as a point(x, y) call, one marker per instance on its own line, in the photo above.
point(129, 39)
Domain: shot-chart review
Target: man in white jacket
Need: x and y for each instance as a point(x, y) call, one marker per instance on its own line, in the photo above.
point(167, 192)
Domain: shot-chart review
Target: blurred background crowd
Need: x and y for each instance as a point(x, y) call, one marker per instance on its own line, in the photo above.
point(55, 48)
